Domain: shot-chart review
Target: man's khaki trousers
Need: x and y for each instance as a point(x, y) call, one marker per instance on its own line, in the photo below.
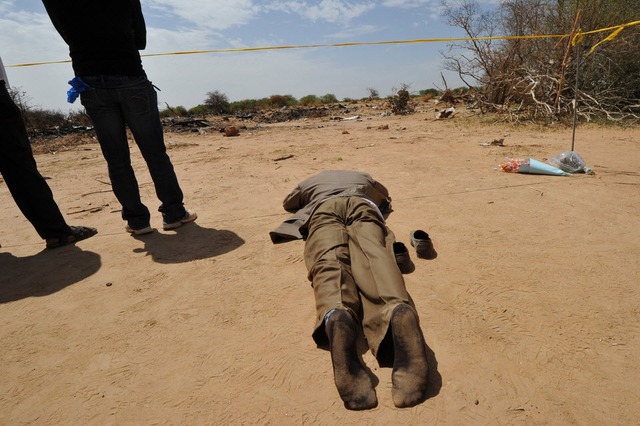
point(349, 256)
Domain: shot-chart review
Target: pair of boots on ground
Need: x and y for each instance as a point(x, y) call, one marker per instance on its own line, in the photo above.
point(410, 369)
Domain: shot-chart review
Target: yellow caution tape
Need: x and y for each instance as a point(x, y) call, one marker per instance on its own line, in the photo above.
point(601, 30)
point(617, 29)
point(578, 38)
point(609, 38)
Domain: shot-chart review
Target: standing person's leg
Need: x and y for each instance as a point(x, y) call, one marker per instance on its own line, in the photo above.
point(337, 304)
point(19, 170)
point(388, 311)
point(140, 106)
point(103, 107)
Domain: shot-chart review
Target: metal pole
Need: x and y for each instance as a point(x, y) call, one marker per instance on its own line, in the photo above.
point(575, 90)
point(575, 103)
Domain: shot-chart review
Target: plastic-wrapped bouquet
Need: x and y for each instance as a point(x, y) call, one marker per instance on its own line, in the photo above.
point(570, 162)
point(530, 166)
point(512, 165)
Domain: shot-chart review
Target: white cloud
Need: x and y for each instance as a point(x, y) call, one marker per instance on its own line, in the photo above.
point(332, 11)
point(27, 35)
point(408, 3)
point(352, 32)
point(296, 72)
point(481, 3)
point(166, 40)
point(209, 14)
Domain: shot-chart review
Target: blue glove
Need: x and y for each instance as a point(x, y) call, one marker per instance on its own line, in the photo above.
point(78, 86)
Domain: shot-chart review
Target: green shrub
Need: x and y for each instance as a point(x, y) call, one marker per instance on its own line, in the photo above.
point(400, 102)
point(279, 101)
point(264, 103)
point(329, 98)
point(244, 106)
point(432, 93)
point(200, 110)
point(309, 100)
point(217, 102)
point(178, 111)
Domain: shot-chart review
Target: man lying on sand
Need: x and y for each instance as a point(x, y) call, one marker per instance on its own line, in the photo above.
point(358, 287)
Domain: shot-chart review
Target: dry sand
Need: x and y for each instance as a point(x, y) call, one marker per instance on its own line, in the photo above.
point(531, 308)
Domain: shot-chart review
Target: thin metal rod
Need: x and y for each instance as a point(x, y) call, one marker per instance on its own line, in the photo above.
point(575, 90)
point(575, 101)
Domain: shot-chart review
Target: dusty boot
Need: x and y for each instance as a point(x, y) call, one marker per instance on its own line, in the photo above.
point(353, 383)
point(410, 370)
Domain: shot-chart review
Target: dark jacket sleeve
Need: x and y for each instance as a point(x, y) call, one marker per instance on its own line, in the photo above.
point(54, 15)
point(290, 229)
point(293, 202)
point(139, 27)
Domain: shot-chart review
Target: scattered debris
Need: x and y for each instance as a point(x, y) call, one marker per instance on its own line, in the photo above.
point(353, 118)
point(284, 157)
point(90, 209)
point(96, 192)
point(186, 122)
point(445, 113)
point(172, 145)
point(448, 97)
point(231, 131)
point(495, 142)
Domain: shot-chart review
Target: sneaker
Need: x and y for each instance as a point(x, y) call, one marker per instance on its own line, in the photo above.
point(189, 216)
point(139, 231)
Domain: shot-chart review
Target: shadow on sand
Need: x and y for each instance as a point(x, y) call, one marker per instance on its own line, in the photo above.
point(44, 273)
point(187, 243)
point(435, 379)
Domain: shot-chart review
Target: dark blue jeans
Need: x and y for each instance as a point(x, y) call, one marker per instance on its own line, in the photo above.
point(113, 103)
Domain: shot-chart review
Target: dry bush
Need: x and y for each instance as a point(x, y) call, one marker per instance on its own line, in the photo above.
point(539, 79)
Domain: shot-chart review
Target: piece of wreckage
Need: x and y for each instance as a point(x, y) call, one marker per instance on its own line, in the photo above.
point(445, 113)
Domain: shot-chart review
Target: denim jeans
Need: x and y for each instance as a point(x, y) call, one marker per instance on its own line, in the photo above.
point(113, 103)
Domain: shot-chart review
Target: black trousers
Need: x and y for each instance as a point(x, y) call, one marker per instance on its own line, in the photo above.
point(20, 172)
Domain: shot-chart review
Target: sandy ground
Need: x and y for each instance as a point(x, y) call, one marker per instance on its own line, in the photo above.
point(531, 309)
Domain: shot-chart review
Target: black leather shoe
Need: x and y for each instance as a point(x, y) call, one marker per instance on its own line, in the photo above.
point(423, 244)
point(403, 259)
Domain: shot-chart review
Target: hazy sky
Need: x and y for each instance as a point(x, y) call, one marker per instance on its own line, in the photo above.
point(27, 35)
